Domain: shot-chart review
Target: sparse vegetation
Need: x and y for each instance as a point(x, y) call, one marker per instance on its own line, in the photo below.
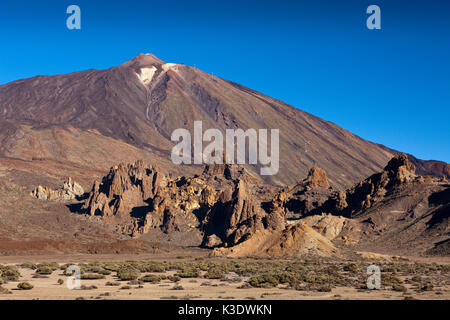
point(91, 276)
point(264, 281)
point(4, 290)
point(399, 287)
point(351, 267)
point(29, 265)
point(314, 274)
point(188, 273)
point(127, 273)
point(10, 273)
point(25, 286)
point(44, 270)
point(177, 287)
point(151, 278)
point(427, 287)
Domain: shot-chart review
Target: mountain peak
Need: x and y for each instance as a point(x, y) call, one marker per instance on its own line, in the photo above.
point(144, 60)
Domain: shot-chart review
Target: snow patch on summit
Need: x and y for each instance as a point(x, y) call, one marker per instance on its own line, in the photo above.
point(146, 75)
point(169, 66)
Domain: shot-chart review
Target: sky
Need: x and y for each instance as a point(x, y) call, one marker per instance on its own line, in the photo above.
point(390, 86)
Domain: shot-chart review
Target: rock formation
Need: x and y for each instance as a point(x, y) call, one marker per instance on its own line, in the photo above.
point(125, 188)
point(297, 200)
point(398, 172)
point(317, 177)
point(294, 241)
point(70, 191)
point(236, 214)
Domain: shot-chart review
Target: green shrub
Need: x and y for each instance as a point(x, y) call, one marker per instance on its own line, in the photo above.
point(151, 267)
point(173, 278)
point(127, 273)
point(29, 265)
point(94, 269)
point(151, 278)
point(4, 290)
point(114, 267)
point(399, 288)
point(52, 265)
point(351, 267)
point(91, 276)
point(390, 279)
point(427, 287)
point(60, 282)
point(264, 281)
point(215, 273)
point(188, 273)
point(44, 270)
point(25, 286)
point(324, 288)
point(104, 272)
point(10, 273)
point(177, 287)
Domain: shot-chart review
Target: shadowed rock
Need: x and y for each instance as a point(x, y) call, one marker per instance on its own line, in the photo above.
point(127, 186)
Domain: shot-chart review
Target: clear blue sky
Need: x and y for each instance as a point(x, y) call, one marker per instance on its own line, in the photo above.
point(389, 86)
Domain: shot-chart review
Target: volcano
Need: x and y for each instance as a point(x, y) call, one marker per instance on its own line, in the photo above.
point(97, 118)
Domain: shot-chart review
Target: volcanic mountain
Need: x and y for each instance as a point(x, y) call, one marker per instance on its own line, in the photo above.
point(97, 118)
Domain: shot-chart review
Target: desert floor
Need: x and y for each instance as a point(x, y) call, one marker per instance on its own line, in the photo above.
point(233, 286)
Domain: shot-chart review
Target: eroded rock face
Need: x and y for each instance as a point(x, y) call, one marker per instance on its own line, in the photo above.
point(293, 241)
point(220, 203)
point(180, 205)
point(317, 177)
point(348, 231)
point(228, 171)
point(70, 191)
point(303, 197)
point(237, 215)
point(125, 189)
point(398, 172)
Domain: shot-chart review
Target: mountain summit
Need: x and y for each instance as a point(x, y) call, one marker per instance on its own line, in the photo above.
point(141, 102)
point(143, 60)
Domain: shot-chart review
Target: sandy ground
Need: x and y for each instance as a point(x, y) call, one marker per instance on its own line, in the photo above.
point(196, 288)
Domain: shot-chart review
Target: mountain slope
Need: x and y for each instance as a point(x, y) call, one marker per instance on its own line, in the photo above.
point(145, 99)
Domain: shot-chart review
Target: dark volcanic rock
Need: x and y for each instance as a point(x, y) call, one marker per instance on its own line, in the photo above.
point(364, 195)
point(125, 188)
point(237, 215)
point(303, 197)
